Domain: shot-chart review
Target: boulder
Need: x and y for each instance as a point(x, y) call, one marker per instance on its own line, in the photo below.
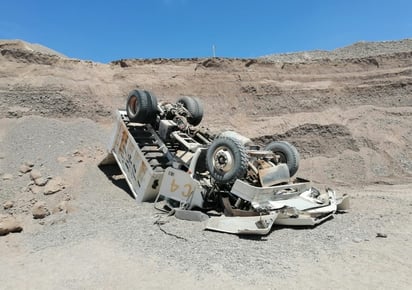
point(53, 186)
point(62, 207)
point(41, 181)
point(29, 163)
point(7, 176)
point(8, 204)
point(40, 210)
point(35, 174)
point(9, 225)
point(36, 189)
point(24, 168)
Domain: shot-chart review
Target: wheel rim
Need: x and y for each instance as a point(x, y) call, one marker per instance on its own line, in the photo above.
point(282, 157)
point(133, 104)
point(223, 159)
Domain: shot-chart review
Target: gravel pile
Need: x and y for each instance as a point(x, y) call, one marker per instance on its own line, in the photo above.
point(105, 210)
point(356, 50)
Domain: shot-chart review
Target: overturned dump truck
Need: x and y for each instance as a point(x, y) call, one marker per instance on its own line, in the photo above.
point(168, 159)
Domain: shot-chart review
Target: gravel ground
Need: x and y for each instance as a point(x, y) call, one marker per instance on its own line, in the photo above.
point(105, 212)
point(351, 117)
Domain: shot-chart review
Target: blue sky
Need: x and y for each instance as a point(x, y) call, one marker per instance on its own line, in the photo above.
point(109, 30)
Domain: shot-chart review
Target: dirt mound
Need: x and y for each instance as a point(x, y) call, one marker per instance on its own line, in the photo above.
point(315, 140)
point(361, 49)
point(49, 102)
point(20, 45)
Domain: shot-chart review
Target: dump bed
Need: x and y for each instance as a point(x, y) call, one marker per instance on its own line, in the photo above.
point(140, 155)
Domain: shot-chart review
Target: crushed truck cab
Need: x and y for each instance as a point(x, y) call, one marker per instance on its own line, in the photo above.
point(166, 158)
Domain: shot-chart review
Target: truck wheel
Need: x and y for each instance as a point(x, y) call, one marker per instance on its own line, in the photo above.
point(287, 153)
point(195, 108)
point(234, 135)
point(141, 106)
point(226, 160)
point(153, 101)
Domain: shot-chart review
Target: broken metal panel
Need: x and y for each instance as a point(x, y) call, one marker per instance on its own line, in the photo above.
point(331, 207)
point(190, 215)
point(301, 219)
point(303, 202)
point(311, 216)
point(182, 188)
point(230, 211)
point(274, 175)
point(297, 202)
point(255, 225)
point(260, 194)
point(302, 210)
point(343, 202)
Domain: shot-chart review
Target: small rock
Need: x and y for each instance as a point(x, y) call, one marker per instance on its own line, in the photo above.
point(9, 225)
point(61, 159)
point(36, 189)
point(7, 176)
point(24, 168)
point(25, 189)
point(8, 204)
point(40, 210)
point(41, 181)
point(53, 186)
point(62, 207)
point(381, 235)
point(35, 174)
point(29, 163)
point(357, 240)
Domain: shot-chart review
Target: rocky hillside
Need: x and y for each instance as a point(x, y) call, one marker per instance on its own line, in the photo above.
point(348, 111)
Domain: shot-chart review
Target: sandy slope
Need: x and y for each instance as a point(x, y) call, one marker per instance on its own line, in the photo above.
point(350, 118)
point(357, 107)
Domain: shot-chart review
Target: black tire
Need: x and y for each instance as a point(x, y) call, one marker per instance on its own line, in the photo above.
point(226, 160)
point(153, 101)
point(288, 154)
point(141, 106)
point(195, 108)
point(234, 135)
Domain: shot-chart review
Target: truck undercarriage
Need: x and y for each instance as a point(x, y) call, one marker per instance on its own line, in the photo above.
point(167, 158)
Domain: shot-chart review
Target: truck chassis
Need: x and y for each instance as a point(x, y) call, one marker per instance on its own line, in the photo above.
point(167, 159)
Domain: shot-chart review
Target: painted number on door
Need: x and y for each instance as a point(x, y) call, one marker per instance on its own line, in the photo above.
point(187, 188)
